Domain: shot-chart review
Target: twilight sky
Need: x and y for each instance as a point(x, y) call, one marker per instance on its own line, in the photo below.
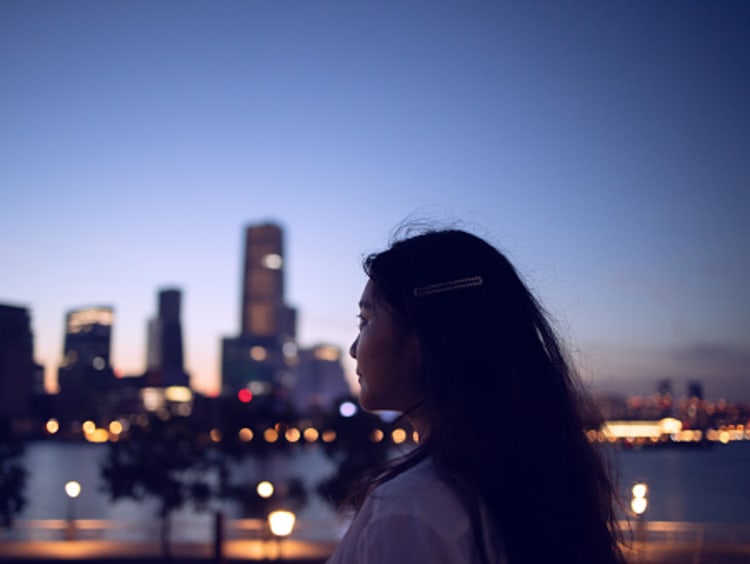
point(604, 146)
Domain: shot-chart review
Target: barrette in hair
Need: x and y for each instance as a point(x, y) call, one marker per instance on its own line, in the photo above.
point(449, 286)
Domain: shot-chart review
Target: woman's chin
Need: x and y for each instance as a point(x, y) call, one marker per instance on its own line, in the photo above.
point(367, 403)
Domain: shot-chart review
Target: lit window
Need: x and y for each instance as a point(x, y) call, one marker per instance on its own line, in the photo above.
point(152, 398)
point(259, 388)
point(272, 261)
point(258, 353)
point(327, 352)
point(178, 394)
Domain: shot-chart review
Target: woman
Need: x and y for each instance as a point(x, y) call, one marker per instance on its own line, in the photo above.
point(450, 336)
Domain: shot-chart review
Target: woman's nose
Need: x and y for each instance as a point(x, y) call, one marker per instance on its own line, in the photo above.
point(353, 349)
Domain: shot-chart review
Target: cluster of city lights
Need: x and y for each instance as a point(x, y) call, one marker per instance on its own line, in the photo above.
point(310, 434)
point(274, 434)
point(664, 430)
point(91, 432)
point(632, 432)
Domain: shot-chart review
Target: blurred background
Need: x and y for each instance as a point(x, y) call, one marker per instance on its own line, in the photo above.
point(147, 147)
point(601, 145)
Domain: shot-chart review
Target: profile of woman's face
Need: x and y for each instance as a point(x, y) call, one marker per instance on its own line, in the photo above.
point(387, 358)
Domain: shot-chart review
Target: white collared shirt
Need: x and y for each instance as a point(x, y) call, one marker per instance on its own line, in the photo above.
point(415, 518)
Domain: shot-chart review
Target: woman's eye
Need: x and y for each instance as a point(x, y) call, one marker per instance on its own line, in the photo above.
point(361, 321)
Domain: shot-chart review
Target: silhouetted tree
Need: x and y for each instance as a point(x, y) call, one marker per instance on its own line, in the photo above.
point(12, 475)
point(166, 460)
point(237, 444)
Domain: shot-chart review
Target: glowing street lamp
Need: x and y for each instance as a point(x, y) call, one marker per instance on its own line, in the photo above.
point(264, 489)
point(72, 490)
point(639, 504)
point(281, 524)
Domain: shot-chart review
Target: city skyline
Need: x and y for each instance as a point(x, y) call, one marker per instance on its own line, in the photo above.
point(635, 386)
point(599, 145)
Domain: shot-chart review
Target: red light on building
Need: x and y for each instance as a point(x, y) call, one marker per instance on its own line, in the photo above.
point(245, 395)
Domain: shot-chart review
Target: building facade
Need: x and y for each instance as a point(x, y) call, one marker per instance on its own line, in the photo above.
point(20, 377)
point(263, 356)
point(264, 313)
point(86, 374)
point(165, 358)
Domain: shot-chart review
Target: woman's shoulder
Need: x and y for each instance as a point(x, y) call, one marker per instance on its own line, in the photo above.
point(413, 517)
point(419, 493)
point(422, 477)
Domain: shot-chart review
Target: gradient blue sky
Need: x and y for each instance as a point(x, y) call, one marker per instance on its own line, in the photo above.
point(602, 145)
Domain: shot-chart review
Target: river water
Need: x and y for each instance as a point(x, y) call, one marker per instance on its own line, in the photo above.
point(709, 485)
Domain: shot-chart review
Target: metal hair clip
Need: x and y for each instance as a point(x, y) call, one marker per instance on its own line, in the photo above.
point(441, 287)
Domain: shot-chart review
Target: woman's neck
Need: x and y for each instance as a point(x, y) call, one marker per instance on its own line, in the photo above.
point(418, 419)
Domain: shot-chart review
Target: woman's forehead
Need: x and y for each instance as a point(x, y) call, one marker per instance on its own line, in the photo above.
point(367, 301)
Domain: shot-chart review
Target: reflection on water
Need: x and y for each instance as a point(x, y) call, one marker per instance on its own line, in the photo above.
point(52, 464)
point(701, 485)
point(692, 484)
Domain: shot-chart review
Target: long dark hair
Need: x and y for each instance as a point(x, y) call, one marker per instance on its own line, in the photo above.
point(504, 409)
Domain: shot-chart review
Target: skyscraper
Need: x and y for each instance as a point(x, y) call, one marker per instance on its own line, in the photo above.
point(695, 389)
point(88, 335)
point(264, 313)
point(86, 372)
point(261, 358)
point(20, 376)
point(164, 363)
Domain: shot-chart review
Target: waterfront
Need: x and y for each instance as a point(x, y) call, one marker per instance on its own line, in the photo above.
point(685, 484)
point(706, 485)
point(698, 512)
point(52, 464)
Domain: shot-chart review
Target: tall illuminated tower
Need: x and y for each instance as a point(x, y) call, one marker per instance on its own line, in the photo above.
point(261, 359)
point(264, 313)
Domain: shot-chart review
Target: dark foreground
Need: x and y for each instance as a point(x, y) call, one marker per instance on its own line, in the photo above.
point(301, 552)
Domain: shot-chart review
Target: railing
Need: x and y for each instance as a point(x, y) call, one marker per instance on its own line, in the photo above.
point(313, 541)
point(202, 531)
point(192, 530)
